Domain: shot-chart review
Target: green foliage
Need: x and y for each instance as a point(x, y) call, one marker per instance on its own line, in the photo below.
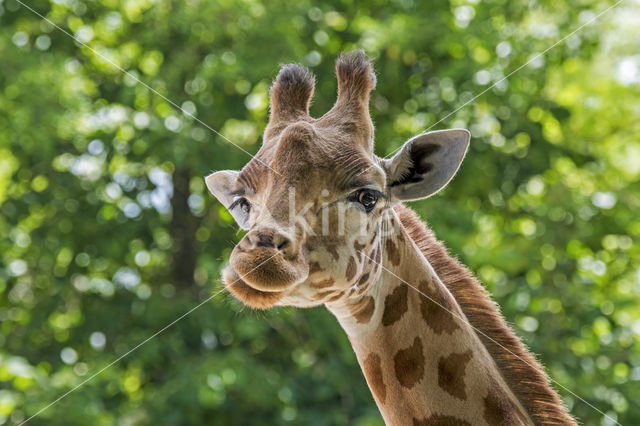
point(108, 234)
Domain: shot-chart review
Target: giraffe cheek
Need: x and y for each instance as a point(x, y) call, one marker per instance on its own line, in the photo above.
point(355, 222)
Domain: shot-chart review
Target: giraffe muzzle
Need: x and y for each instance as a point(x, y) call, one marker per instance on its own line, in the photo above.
point(268, 261)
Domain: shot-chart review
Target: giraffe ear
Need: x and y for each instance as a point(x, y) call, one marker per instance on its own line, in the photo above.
point(426, 163)
point(222, 185)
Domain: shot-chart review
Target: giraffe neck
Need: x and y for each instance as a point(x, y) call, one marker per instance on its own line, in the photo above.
point(422, 360)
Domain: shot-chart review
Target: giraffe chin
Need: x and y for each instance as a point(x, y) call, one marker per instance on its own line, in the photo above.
point(247, 294)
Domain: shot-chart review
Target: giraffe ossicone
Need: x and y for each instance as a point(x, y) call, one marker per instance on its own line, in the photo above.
point(326, 225)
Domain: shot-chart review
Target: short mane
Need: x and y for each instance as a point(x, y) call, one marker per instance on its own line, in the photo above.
point(527, 380)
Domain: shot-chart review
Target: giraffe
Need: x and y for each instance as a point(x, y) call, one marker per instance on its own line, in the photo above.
point(326, 224)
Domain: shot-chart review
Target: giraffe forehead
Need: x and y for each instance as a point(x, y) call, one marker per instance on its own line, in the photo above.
point(303, 145)
point(298, 146)
point(312, 160)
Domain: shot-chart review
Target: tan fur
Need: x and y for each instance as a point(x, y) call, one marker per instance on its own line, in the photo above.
point(526, 378)
point(425, 375)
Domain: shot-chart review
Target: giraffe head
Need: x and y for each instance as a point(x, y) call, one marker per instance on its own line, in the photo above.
point(315, 196)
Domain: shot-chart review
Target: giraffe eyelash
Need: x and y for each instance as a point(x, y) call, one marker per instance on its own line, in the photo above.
point(356, 197)
point(241, 202)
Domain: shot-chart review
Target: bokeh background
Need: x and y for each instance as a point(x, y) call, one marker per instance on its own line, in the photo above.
point(107, 233)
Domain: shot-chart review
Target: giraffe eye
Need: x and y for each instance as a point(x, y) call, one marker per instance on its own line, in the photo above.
point(241, 202)
point(367, 198)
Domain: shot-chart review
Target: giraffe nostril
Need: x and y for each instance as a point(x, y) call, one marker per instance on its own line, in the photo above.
point(265, 244)
point(281, 242)
point(267, 238)
point(283, 245)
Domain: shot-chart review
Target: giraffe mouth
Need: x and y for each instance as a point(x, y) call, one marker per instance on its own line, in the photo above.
point(247, 294)
point(268, 270)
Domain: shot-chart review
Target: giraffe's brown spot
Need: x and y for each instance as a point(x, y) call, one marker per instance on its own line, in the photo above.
point(373, 372)
point(393, 254)
point(375, 254)
point(314, 267)
point(440, 420)
point(409, 364)
point(323, 295)
point(436, 310)
point(363, 279)
point(335, 297)
point(323, 284)
point(362, 284)
point(451, 371)
point(373, 237)
point(395, 305)
point(499, 409)
point(363, 310)
point(351, 269)
point(333, 250)
point(357, 247)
